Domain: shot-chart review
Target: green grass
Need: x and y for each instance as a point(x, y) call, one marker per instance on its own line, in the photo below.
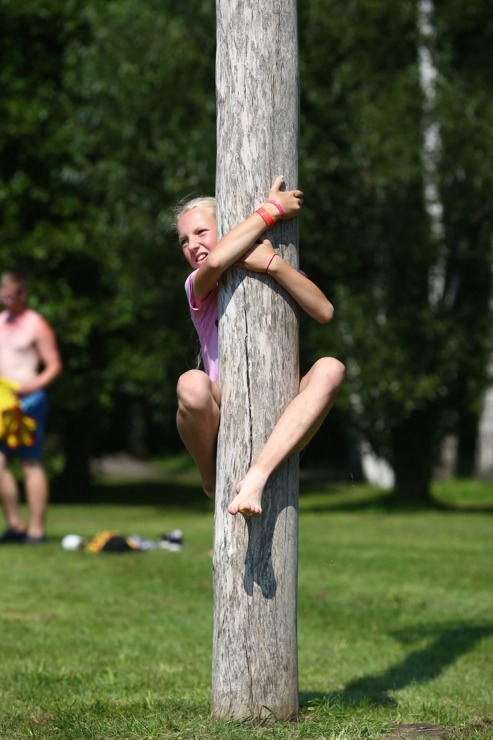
point(395, 620)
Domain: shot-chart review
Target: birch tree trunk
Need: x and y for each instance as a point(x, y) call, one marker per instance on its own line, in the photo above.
point(431, 158)
point(255, 672)
point(431, 153)
point(484, 444)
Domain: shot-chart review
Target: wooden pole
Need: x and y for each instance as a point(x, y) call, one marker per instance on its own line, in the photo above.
point(255, 665)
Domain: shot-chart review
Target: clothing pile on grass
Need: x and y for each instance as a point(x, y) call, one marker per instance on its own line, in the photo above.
point(111, 541)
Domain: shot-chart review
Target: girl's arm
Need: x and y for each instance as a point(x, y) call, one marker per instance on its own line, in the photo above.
point(237, 241)
point(262, 257)
point(306, 294)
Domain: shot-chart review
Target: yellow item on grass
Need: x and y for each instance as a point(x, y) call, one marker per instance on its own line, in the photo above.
point(111, 541)
point(99, 540)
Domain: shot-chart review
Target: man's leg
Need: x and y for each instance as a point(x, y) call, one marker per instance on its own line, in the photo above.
point(37, 494)
point(197, 419)
point(9, 496)
point(294, 430)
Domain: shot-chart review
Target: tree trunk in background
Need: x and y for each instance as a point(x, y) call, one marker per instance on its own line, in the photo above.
point(413, 468)
point(484, 446)
point(255, 671)
point(73, 485)
point(431, 153)
point(138, 429)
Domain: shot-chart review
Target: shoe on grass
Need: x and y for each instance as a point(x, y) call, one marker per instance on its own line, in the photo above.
point(12, 536)
point(173, 542)
point(30, 539)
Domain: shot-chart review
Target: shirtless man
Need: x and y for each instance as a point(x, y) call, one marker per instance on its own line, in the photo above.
point(28, 356)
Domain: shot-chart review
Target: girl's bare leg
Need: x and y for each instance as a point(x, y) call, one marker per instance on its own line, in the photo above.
point(197, 419)
point(296, 427)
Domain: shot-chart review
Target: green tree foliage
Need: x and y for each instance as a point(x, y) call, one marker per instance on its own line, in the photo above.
point(145, 122)
point(107, 118)
point(411, 360)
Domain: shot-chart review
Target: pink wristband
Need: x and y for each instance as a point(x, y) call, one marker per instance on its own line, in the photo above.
point(277, 205)
point(269, 263)
point(263, 213)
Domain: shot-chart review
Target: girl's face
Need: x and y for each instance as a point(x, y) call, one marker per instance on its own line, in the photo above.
point(197, 234)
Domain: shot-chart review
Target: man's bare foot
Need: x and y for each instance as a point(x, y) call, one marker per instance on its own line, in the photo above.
point(249, 497)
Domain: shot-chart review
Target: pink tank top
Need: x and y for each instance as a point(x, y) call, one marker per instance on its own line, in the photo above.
point(204, 317)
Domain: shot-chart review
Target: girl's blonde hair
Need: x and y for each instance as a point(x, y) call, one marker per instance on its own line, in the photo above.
point(202, 201)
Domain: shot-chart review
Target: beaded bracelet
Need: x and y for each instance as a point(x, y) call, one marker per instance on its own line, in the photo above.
point(269, 220)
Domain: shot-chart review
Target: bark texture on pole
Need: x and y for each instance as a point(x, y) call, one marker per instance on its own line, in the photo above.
point(255, 667)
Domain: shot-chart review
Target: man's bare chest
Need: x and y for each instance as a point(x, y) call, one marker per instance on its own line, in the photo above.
point(17, 336)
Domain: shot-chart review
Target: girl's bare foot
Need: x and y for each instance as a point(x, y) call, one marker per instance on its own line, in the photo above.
point(249, 494)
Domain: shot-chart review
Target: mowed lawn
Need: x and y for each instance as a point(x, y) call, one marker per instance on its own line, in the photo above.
point(395, 620)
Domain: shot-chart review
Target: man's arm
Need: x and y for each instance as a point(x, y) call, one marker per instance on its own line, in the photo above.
point(49, 357)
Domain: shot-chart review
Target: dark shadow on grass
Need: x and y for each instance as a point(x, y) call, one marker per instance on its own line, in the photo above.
point(420, 666)
point(183, 490)
point(384, 502)
point(171, 493)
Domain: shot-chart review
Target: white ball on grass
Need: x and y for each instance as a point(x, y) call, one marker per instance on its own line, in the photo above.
point(72, 542)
